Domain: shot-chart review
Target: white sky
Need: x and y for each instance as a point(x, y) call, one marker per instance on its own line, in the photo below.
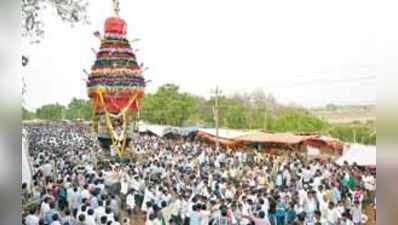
point(308, 52)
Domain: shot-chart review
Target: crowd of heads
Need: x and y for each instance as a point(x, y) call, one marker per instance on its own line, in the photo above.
point(186, 182)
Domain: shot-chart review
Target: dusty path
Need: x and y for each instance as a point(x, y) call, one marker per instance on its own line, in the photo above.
point(371, 213)
point(135, 219)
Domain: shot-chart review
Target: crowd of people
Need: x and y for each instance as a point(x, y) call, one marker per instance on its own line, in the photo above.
point(173, 181)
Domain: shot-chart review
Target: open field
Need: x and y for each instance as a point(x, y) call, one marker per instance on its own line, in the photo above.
point(347, 114)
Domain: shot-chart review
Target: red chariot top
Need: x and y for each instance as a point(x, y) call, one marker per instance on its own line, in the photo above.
point(115, 25)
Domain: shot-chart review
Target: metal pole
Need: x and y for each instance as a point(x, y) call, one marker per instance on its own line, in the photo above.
point(217, 92)
point(217, 121)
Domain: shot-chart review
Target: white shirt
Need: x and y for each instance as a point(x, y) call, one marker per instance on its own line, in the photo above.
point(44, 209)
point(302, 196)
point(311, 205)
point(130, 200)
point(307, 175)
point(47, 168)
point(70, 193)
point(333, 216)
point(124, 187)
point(204, 217)
point(57, 223)
point(356, 214)
point(90, 220)
point(99, 212)
point(369, 183)
point(316, 182)
point(32, 220)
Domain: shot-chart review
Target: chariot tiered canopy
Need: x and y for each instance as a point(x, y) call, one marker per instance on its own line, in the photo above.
point(115, 84)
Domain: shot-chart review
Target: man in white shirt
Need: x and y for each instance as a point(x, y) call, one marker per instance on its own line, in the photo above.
point(45, 207)
point(307, 175)
point(302, 196)
point(32, 218)
point(333, 214)
point(90, 218)
point(356, 212)
point(369, 181)
point(318, 219)
point(130, 202)
point(70, 196)
point(311, 205)
point(99, 211)
point(47, 169)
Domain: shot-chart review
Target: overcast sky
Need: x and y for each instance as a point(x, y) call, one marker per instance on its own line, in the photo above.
point(308, 52)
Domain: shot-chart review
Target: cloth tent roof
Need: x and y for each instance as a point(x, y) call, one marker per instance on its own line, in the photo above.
point(279, 138)
point(156, 129)
point(181, 131)
point(237, 137)
point(232, 137)
point(362, 155)
point(161, 130)
point(223, 133)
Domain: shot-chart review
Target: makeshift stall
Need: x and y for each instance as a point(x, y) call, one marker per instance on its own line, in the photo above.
point(362, 155)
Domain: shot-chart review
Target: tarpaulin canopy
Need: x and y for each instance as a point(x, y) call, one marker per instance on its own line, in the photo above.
point(155, 129)
point(161, 130)
point(223, 133)
point(362, 155)
point(236, 138)
point(323, 142)
point(180, 131)
point(152, 128)
point(230, 137)
point(276, 138)
point(213, 138)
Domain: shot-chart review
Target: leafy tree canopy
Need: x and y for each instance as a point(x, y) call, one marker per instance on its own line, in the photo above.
point(256, 110)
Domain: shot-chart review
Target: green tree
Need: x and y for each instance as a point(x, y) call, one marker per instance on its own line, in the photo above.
point(297, 121)
point(27, 115)
point(236, 116)
point(354, 133)
point(168, 106)
point(51, 112)
point(79, 109)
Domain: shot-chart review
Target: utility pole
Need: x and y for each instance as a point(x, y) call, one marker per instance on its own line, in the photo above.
point(217, 92)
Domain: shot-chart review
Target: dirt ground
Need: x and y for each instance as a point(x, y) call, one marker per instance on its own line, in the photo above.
point(135, 219)
point(371, 213)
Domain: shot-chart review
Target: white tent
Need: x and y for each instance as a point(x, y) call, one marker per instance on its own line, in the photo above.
point(223, 133)
point(362, 155)
point(156, 129)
